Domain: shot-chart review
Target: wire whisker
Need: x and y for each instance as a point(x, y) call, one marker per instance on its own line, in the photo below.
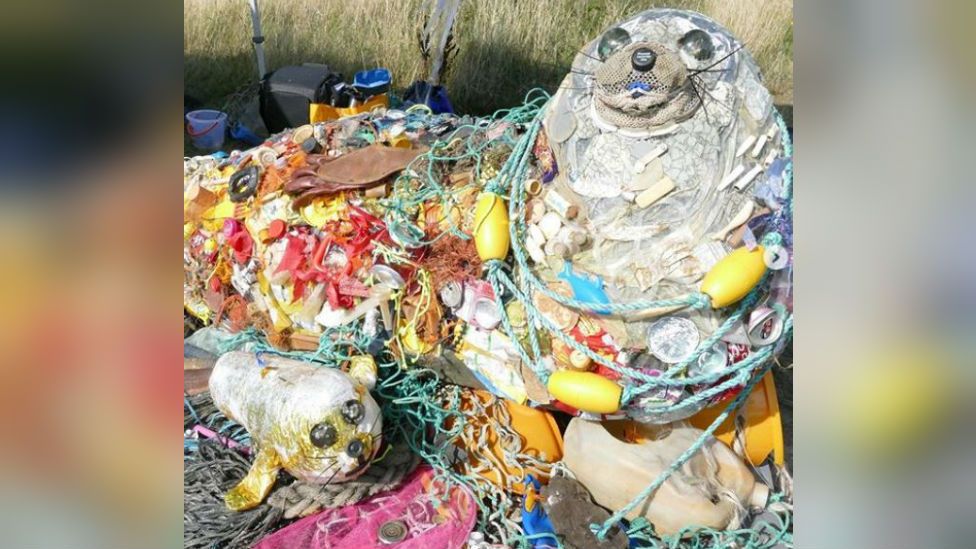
point(724, 57)
point(701, 100)
point(704, 90)
point(584, 54)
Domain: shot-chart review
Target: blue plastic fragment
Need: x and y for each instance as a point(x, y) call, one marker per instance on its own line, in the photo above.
point(587, 288)
point(242, 133)
point(536, 521)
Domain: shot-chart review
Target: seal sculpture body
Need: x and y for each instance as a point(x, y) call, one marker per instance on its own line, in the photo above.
point(318, 423)
point(668, 143)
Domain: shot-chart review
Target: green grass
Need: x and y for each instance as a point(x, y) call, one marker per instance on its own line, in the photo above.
point(505, 47)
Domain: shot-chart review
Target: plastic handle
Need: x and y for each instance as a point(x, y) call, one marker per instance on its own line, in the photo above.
point(190, 131)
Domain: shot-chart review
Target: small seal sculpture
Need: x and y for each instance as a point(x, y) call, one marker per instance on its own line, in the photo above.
point(318, 423)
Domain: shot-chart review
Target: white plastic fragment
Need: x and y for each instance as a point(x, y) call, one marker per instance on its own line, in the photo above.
point(759, 146)
point(535, 235)
point(745, 146)
point(642, 163)
point(746, 179)
point(731, 177)
point(655, 192)
point(550, 224)
point(535, 252)
point(736, 221)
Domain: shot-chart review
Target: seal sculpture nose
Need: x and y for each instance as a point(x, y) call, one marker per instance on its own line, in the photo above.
point(643, 59)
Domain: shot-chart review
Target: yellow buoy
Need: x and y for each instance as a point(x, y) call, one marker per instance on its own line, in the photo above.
point(585, 391)
point(734, 276)
point(491, 227)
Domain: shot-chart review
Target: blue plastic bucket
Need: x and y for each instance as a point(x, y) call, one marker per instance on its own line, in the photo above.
point(206, 128)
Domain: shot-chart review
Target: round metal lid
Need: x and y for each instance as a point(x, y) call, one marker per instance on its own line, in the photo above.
point(392, 532)
point(672, 339)
point(452, 294)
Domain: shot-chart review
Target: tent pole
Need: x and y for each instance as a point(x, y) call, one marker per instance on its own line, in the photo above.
point(258, 39)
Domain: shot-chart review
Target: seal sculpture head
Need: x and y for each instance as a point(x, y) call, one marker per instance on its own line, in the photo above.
point(643, 83)
point(318, 423)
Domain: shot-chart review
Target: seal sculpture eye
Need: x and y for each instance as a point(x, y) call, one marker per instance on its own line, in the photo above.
point(697, 44)
point(353, 411)
point(355, 448)
point(612, 40)
point(323, 435)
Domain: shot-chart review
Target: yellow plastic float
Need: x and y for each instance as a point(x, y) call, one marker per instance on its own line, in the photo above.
point(585, 391)
point(734, 276)
point(491, 237)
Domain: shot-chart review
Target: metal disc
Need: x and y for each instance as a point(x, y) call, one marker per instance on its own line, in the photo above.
point(392, 532)
point(452, 294)
point(672, 339)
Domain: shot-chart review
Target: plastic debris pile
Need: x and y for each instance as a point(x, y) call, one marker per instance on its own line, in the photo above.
point(563, 309)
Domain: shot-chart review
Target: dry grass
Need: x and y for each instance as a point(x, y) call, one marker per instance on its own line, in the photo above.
point(505, 47)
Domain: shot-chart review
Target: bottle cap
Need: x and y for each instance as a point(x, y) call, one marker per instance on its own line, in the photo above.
point(277, 229)
point(486, 314)
point(579, 361)
point(392, 532)
point(452, 294)
point(311, 145)
point(643, 59)
point(697, 44)
point(302, 133)
point(711, 361)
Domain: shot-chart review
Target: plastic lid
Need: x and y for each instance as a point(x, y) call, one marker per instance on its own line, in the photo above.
point(392, 532)
point(643, 59)
point(277, 229)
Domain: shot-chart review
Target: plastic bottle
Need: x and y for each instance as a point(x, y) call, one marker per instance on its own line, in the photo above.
point(707, 491)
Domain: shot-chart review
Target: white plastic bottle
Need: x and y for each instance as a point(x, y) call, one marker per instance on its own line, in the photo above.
point(712, 489)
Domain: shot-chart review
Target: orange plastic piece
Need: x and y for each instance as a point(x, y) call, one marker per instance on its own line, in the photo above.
point(537, 428)
point(763, 428)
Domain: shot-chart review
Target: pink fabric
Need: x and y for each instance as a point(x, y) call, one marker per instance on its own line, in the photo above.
point(433, 521)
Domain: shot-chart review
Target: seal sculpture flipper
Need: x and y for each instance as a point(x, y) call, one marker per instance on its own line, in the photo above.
point(252, 490)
